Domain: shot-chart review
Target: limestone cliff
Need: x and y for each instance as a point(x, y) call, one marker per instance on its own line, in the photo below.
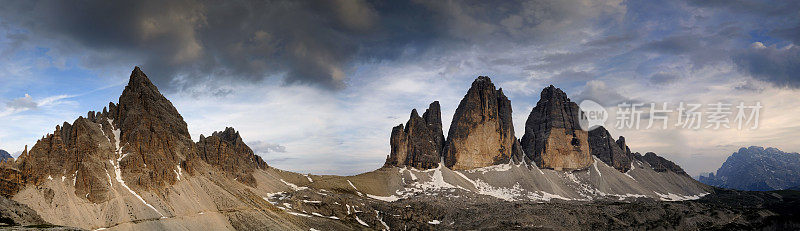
point(419, 144)
point(482, 133)
point(553, 138)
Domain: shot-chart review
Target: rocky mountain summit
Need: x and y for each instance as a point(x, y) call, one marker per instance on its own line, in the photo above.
point(553, 137)
point(659, 164)
point(605, 148)
point(482, 132)
point(143, 139)
point(757, 169)
point(419, 144)
point(135, 163)
point(482, 135)
point(226, 151)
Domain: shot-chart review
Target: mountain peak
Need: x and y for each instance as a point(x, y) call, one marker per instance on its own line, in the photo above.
point(226, 151)
point(553, 93)
point(482, 109)
point(139, 82)
point(229, 134)
point(419, 143)
point(553, 137)
point(151, 130)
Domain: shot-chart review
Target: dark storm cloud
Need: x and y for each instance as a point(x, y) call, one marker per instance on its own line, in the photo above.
point(780, 66)
point(185, 42)
point(182, 42)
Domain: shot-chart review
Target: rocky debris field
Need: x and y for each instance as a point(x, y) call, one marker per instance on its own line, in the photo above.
point(454, 209)
point(16, 216)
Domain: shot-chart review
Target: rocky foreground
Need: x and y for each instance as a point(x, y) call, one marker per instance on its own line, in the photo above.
point(457, 210)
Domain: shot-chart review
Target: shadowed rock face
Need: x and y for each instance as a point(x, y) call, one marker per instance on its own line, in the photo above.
point(153, 134)
point(144, 135)
point(419, 144)
point(10, 181)
point(658, 163)
point(79, 152)
point(604, 147)
point(226, 150)
point(482, 133)
point(624, 147)
point(553, 138)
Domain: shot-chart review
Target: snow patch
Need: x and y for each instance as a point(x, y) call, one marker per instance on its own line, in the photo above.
point(675, 197)
point(595, 166)
point(434, 222)
point(378, 216)
point(354, 187)
point(391, 198)
point(361, 222)
point(493, 168)
point(180, 171)
point(109, 179)
point(293, 186)
point(118, 173)
point(298, 214)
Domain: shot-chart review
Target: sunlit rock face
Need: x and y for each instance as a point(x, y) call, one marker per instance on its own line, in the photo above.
point(553, 138)
point(419, 144)
point(482, 133)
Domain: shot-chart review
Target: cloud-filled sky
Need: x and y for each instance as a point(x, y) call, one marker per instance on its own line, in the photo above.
point(316, 86)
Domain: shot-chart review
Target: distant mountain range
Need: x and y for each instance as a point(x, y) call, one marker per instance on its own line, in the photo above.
point(757, 169)
point(5, 155)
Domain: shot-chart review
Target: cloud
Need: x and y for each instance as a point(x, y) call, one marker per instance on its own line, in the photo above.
point(780, 66)
point(597, 91)
point(663, 78)
point(261, 147)
point(188, 42)
point(24, 103)
point(184, 42)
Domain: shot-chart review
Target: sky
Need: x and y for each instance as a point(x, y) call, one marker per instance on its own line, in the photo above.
point(316, 86)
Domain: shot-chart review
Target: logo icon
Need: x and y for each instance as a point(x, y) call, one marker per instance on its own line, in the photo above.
point(591, 115)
